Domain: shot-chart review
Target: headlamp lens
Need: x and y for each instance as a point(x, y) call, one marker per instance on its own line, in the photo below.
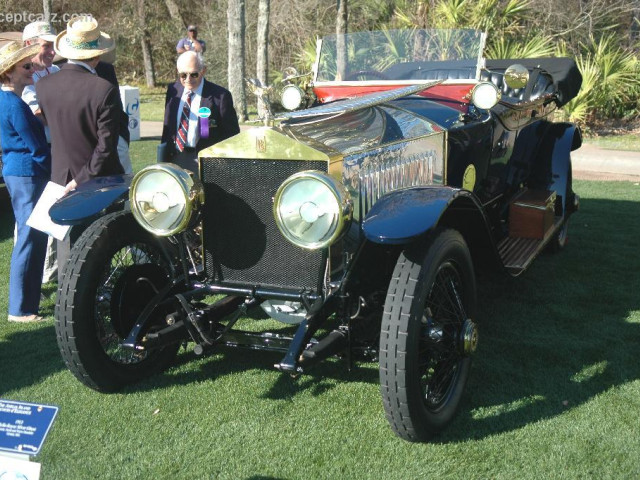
point(291, 97)
point(162, 198)
point(485, 95)
point(312, 210)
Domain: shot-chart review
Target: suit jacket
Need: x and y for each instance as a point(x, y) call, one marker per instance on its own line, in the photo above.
point(83, 114)
point(223, 122)
point(108, 72)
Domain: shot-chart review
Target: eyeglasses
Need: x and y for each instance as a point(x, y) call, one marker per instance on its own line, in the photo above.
point(193, 75)
point(27, 66)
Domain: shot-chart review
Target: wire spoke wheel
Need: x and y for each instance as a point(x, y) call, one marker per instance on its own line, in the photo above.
point(114, 272)
point(427, 336)
point(130, 280)
point(439, 354)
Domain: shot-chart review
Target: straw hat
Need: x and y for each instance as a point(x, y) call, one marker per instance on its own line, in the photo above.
point(13, 52)
point(41, 30)
point(83, 40)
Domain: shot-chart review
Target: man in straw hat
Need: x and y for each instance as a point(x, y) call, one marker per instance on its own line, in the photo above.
point(83, 113)
point(43, 35)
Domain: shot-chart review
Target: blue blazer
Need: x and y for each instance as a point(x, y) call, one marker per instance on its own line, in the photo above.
point(223, 122)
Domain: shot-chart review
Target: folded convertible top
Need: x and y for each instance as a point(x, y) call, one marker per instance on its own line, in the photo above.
point(564, 71)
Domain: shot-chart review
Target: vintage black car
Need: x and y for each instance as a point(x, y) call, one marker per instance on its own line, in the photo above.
point(357, 223)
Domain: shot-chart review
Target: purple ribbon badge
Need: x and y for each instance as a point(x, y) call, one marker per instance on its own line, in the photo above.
point(204, 113)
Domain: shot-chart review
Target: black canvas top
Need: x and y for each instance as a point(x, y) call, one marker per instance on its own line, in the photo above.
point(564, 71)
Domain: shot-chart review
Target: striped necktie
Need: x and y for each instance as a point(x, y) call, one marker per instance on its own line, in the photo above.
point(183, 129)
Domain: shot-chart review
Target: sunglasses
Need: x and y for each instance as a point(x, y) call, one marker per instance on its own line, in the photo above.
point(27, 66)
point(193, 75)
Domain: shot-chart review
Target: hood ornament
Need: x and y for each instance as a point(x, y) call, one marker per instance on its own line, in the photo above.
point(263, 93)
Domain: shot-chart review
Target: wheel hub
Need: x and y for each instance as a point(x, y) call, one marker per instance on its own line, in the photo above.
point(468, 337)
point(132, 292)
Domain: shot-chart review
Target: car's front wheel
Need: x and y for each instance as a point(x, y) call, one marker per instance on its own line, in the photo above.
point(115, 270)
point(428, 335)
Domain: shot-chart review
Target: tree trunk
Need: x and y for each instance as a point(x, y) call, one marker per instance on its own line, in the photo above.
point(634, 30)
point(147, 55)
point(341, 30)
point(262, 64)
point(236, 28)
point(46, 10)
point(174, 11)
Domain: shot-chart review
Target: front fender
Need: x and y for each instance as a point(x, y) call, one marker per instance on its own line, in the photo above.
point(90, 200)
point(404, 215)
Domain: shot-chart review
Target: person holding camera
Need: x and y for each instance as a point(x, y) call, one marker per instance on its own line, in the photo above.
point(191, 43)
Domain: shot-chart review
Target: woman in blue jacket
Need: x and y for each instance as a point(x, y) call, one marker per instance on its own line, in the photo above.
point(26, 169)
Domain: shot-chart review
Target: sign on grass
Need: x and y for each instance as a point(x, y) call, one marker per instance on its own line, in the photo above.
point(24, 426)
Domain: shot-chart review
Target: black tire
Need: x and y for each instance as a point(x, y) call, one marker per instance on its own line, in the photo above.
point(427, 337)
point(560, 239)
point(115, 269)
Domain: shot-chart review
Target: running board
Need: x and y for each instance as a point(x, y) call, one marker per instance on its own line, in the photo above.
point(518, 253)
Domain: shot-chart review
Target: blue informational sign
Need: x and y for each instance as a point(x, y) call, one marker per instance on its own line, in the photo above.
point(24, 426)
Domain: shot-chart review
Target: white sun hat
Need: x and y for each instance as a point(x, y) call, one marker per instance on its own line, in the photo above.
point(83, 40)
point(41, 30)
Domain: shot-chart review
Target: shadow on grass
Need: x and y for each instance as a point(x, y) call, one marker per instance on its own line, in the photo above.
point(228, 361)
point(27, 356)
point(6, 226)
point(560, 335)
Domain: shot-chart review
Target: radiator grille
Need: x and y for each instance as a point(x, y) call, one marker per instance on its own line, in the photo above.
point(242, 244)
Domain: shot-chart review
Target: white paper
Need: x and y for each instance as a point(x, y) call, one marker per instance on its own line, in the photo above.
point(11, 467)
point(40, 219)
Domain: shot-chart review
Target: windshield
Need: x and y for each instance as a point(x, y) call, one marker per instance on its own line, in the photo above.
point(400, 55)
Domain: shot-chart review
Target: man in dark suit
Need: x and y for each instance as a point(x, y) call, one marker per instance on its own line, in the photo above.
point(81, 108)
point(197, 114)
point(82, 111)
point(108, 72)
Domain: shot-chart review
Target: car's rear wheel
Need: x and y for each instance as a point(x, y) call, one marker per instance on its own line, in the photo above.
point(427, 335)
point(114, 271)
point(560, 239)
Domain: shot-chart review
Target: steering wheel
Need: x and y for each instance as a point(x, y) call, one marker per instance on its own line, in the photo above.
point(363, 74)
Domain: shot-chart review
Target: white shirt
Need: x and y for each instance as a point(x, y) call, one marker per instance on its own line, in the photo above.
point(29, 92)
point(193, 135)
point(82, 64)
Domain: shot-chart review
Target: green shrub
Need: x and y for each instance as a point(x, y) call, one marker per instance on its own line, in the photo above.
point(610, 82)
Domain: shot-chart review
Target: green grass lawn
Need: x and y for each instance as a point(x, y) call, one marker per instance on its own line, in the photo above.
point(152, 104)
point(617, 142)
point(143, 153)
point(554, 390)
